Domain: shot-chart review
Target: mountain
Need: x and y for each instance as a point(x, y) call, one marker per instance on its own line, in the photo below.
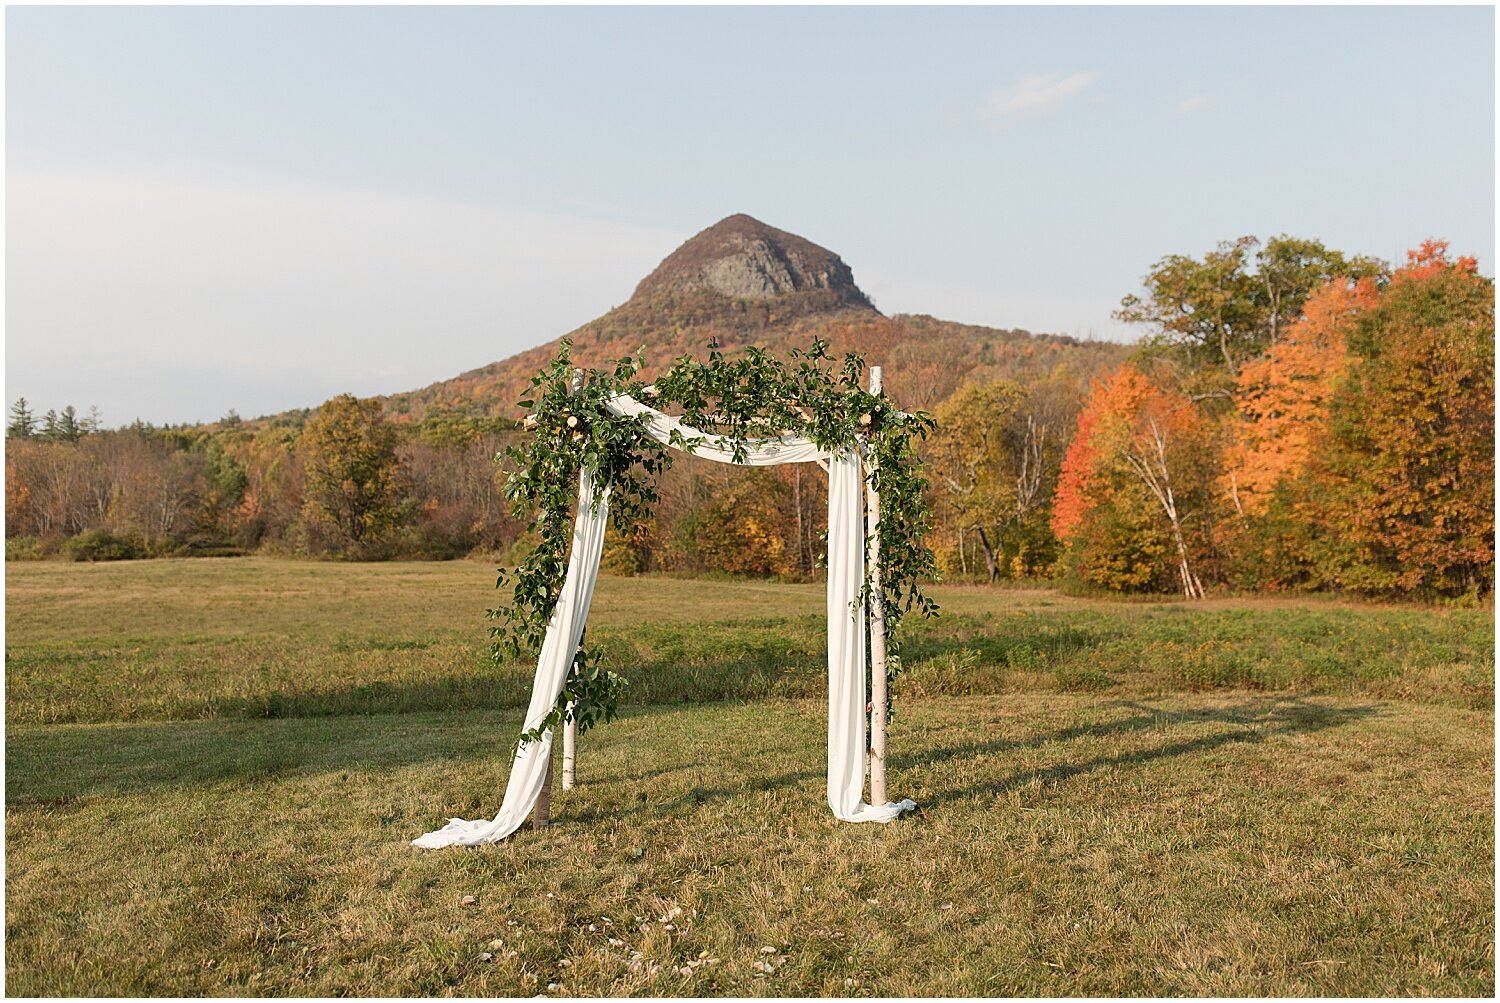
point(741, 258)
point(742, 282)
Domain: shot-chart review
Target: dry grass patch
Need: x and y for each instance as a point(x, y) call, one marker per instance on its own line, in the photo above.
point(1228, 844)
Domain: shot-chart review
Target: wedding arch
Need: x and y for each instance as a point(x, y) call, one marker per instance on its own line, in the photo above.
point(596, 428)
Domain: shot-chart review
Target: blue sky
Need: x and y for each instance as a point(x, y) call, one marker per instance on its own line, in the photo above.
point(215, 208)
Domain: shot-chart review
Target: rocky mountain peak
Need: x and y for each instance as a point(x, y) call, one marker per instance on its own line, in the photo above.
point(742, 258)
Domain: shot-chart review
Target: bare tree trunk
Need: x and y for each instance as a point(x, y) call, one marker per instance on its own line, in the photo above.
point(990, 560)
point(1234, 495)
point(1029, 477)
point(1153, 471)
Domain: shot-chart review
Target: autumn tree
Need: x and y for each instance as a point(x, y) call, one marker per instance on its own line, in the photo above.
point(1134, 485)
point(973, 462)
point(1412, 445)
point(1283, 396)
point(994, 462)
point(743, 529)
point(355, 482)
point(1212, 315)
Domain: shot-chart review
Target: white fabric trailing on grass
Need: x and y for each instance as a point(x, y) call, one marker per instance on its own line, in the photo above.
point(846, 627)
point(564, 632)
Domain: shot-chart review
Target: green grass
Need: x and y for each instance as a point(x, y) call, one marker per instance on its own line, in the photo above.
point(1231, 798)
point(213, 638)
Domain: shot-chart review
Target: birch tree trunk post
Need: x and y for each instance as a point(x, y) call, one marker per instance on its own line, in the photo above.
point(570, 735)
point(542, 817)
point(570, 726)
point(877, 632)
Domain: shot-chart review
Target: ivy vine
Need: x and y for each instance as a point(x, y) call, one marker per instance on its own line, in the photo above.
point(733, 401)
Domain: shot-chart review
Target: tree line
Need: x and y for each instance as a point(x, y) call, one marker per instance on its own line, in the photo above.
point(1294, 418)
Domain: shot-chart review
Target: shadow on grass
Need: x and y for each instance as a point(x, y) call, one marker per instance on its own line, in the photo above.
point(58, 765)
point(1286, 717)
point(1258, 720)
point(759, 670)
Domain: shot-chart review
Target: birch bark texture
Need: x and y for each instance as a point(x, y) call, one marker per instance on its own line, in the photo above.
point(879, 702)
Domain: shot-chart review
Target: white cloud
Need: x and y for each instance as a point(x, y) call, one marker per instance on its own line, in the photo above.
point(177, 297)
point(1039, 92)
point(1195, 103)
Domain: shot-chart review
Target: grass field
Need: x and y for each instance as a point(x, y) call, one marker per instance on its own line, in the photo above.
point(213, 768)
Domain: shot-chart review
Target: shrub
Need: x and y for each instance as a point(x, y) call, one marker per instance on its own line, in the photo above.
point(206, 546)
point(102, 545)
point(24, 548)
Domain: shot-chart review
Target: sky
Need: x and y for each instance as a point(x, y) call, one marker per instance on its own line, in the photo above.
point(257, 208)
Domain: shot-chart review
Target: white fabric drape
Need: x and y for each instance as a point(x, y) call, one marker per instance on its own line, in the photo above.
point(847, 760)
point(564, 632)
point(756, 452)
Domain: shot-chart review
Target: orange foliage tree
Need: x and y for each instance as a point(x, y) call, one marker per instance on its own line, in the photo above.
point(1131, 495)
point(1283, 395)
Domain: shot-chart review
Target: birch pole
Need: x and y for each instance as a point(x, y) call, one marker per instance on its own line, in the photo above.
point(570, 726)
point(877, 630)
point(570, 737)
point(542, 816)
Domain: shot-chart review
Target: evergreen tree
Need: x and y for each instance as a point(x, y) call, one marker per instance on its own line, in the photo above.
point(22, 421)
point(68, 427)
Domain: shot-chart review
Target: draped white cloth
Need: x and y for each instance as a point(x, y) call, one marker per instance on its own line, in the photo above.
point(847, 760)
point(564, 632)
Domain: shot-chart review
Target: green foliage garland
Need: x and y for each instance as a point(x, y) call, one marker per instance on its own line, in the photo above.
point(734, 401)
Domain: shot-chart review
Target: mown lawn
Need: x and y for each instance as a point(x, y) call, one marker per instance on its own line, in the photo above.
point(213, 769)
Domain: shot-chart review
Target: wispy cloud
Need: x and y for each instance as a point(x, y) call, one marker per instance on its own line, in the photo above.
point(1039, 92)
point(1195, 103)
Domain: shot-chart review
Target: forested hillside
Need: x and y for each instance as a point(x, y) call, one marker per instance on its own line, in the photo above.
point(743, 283)
point(1292, 418)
